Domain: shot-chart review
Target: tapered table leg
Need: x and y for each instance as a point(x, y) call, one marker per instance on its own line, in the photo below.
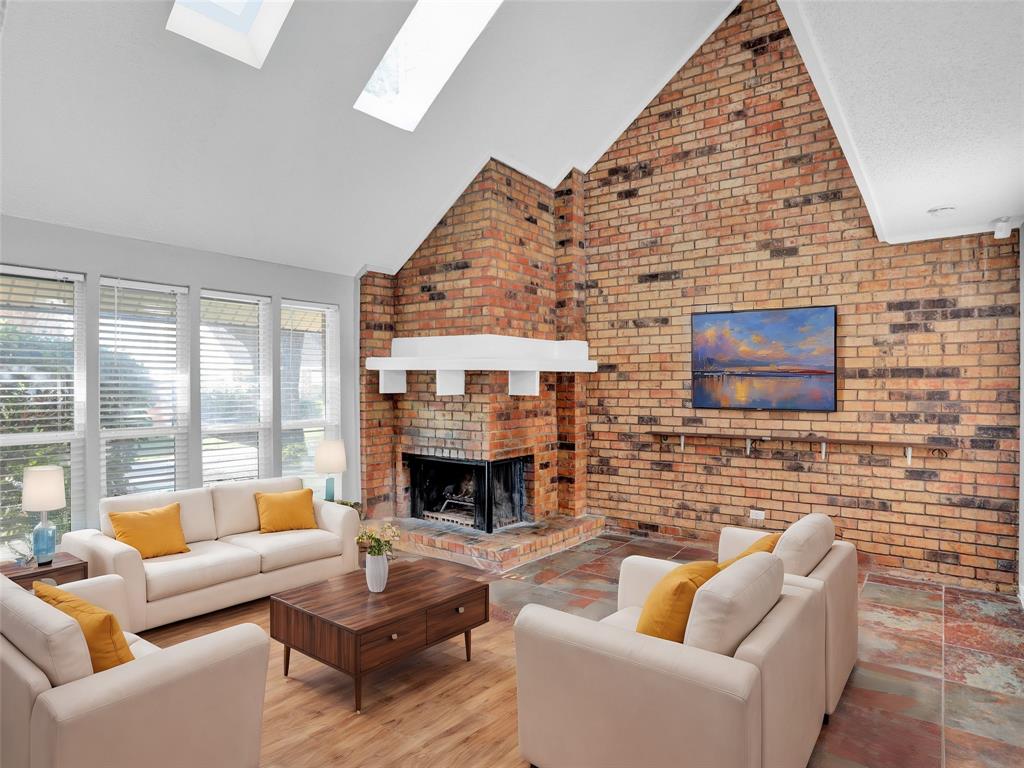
point(359, 693)
point(287, 658)
point(469, 645)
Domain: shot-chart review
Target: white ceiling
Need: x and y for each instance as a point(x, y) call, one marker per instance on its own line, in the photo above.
point(927, 99)
point(113, 124)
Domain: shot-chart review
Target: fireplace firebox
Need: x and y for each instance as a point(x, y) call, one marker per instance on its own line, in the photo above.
point(486, 495)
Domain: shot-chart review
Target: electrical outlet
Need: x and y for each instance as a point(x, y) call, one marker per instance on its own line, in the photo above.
point(757, 514)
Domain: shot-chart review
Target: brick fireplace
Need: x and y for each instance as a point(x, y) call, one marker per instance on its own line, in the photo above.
point(504, 260)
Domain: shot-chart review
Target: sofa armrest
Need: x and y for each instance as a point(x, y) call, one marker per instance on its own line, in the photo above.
point(788, 647)
point(343, 522)
point(106, 555)
point(196, 703)
point(732, 540)
point(837, 573)
point(598, 683)
point(637, 577)
point(108, 592)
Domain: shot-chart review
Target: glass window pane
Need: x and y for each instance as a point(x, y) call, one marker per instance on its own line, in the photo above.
point(298, 447)
point(303, 364)
point(231, 456)
point(138, 464)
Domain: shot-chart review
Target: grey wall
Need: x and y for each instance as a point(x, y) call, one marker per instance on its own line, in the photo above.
point(28, 243)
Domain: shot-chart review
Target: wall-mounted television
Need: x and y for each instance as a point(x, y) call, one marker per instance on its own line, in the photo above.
point(765, 359)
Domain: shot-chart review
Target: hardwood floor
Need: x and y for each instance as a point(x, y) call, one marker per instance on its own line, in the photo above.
point(433, 709)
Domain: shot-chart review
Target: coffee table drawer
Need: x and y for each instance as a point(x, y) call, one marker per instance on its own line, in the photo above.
point(456, 616)
point(392, 641)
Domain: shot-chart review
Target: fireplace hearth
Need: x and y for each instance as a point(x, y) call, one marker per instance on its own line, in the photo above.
point(485, 495)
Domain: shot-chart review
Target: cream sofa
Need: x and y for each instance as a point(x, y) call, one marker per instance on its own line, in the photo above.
point(814, 560)
point(196, 703)
point(743, 690)
point(230, 561)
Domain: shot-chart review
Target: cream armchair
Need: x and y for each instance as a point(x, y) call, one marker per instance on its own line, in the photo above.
point(196, 703)
point(814, 560)
point(599, 695)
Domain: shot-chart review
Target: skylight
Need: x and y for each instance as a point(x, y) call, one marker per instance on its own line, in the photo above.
point(424, 54)
point(242, 29)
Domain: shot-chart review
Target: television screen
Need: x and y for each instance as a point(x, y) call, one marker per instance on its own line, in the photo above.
point(765, 359)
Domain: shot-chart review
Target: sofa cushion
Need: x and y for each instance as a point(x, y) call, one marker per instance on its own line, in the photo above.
point(103, 636)
point(138, 646)
point(234, 504)
point(154, 532)
point(208, 563)
point(196, 510)
point(50, 639)
point(286, 511)
point(805, 543)
point(627, 618)
point(279, 550)
point(733, 602)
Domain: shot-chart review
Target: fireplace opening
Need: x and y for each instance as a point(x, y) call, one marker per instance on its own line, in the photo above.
point(485, 495)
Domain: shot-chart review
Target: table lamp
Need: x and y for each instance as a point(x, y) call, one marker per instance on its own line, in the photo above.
point(42, 491)
point(330, 458)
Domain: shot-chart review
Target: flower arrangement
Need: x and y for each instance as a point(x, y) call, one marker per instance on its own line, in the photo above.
point(378, 541)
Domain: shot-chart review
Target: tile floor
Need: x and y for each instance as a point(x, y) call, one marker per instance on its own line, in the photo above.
point(939, 684)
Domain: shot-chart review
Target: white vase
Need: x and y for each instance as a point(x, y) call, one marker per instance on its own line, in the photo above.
point(376, 572)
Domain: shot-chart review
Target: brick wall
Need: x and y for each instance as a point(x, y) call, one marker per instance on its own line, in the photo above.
point(489, 266)
point(730, 191)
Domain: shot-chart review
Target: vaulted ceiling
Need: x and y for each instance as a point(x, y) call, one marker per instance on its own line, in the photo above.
point(113, 124)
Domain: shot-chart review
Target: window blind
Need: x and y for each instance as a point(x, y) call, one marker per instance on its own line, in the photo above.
point(236, 387)
point(143, 387)
point(42, 388)
point(310, 386)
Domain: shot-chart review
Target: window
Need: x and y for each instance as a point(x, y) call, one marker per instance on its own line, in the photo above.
point(426, 51)
point(42, 387)
point(143, 387)
point(234, 364)
point(310, 385)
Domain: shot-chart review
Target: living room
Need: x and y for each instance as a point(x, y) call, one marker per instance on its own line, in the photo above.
point(482, 383)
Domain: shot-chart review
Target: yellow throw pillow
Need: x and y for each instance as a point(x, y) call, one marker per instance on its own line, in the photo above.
point(667, 608)
point(764, 544)
point(286, 511)
point(107, 646)
point(154, 532)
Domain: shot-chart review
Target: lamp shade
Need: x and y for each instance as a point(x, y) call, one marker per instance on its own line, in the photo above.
point(42, 489)
point(330, 457)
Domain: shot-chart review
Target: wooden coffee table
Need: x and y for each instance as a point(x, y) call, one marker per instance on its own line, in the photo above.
point(341, 623)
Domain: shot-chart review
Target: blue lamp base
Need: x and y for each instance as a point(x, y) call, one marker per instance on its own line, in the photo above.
point(329, 490)
point(44, 541)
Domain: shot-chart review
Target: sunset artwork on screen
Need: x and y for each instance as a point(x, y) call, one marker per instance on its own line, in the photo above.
point(782, 359)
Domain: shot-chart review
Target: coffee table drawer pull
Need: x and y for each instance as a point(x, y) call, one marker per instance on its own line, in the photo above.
point(461, 609)
point(394, 636)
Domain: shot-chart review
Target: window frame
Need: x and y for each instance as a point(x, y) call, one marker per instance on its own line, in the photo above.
point(75, 438)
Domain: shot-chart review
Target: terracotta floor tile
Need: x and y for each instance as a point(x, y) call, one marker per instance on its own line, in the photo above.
point(893, 648)
point(918, 625)
point(1002, 674)
point(969, 750)
point(990, 638)
point(869, 737)
point(1003, 610)
point(606, 565)
point(993, 715)
point(583, 584)
point(900, 581)
point(901, 596)
point(599, 546)
point(874, 686)
point(545, 569)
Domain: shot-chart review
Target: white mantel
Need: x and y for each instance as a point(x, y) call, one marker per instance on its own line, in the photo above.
point(451, 356)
